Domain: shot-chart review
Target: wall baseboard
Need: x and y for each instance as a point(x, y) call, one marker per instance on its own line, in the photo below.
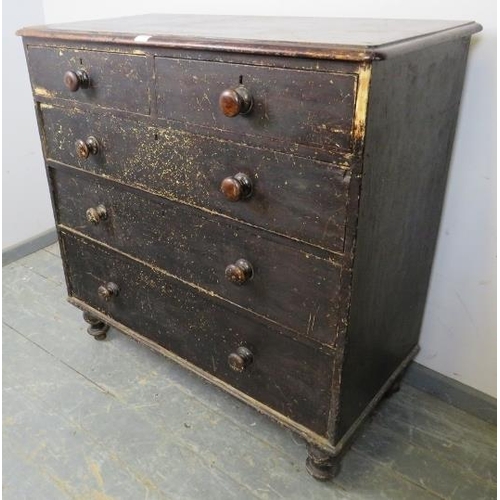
point(444, 388)
point(450, 391)
point(20, 250)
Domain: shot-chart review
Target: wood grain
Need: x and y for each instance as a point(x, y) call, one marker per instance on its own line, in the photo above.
point(286, 375)
point(296, 197)
point(117, 81)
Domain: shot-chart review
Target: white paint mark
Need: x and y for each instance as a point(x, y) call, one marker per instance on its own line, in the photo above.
point(142, 38)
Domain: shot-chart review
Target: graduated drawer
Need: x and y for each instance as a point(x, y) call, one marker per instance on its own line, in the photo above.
point(309, 108)
point(115, 80)
point(292, 378)
point(288, 286)
point(295, 197)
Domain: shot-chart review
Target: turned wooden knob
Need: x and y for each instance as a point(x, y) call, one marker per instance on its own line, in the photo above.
point(237, 101)
point(237, 187)
point(108, 291)
point(97, 214)
point(239, 272)
point(241, 359)
point(89, 146)
point(75, 80)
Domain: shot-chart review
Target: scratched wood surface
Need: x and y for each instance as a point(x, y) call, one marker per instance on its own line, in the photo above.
point(356, 39)
point(292, 196)
point(289, 286)
point(286, 375)
point(108, 70)
point(114, 420)
point(302, 107)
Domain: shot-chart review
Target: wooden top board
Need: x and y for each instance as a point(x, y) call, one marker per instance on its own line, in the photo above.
point(330, 38)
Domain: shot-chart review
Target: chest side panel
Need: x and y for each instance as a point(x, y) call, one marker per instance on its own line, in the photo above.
point(413, 108)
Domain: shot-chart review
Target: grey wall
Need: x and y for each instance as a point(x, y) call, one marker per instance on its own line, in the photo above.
point(26, 204)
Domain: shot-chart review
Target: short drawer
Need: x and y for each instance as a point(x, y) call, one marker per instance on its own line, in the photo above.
point(295, 106)
point(288, 376)
point(291, 196)
point(117, 81)
point(284, 285)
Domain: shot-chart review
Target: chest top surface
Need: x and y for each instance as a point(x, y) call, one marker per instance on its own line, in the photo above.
point(357, 39)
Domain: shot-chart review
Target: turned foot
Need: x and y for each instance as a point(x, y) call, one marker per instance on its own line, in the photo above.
point(97, 328)
point(396, 385)
point(321, 464)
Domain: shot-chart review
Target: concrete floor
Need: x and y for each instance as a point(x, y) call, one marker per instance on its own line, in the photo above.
point(113, 420)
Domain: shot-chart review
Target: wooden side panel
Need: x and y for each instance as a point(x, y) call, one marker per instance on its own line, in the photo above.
point(117, 81)
point(413, 108)
point(297, 107)
point(290, 377)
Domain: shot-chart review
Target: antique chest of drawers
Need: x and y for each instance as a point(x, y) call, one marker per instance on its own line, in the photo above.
point(256, 198)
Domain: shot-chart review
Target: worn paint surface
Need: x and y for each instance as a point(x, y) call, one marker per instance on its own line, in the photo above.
point(293, 288)
point(155, 305)
point(161, 134)
point(116, 80)
point(295, 197)
point(297, 107)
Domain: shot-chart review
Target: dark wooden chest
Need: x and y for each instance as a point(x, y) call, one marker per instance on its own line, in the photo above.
point(256, 198)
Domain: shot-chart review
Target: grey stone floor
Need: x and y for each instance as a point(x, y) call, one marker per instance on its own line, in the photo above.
point(113, 420)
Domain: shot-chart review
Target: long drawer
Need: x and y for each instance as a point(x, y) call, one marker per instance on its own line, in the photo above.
point(116, 81)
point(287, 286)
point(288, 376)
point(295, 197)
point(289, 105)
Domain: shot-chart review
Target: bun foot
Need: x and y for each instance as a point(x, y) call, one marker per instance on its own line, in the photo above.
point(97, 328)
point(320, 464)
point(395, 387)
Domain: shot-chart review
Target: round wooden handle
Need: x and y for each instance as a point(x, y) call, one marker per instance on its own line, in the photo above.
point(237, 101)
point(237, 187)
point(241, 359)
point(108, 291)
point(75, 80)
point(97, 214)
point(239, 272)
point(89, 146)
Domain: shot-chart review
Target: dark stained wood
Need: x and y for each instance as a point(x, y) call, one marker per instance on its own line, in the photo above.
point(291, 196)
point(409, 137)
point(334, 38)
point(233, 102)
point(97, 328)
point(236, 187)
point(118, 81)
point(321, 464)
point(287, 285)
point(258, 199)
point(298, 107)
point(76, 80)
point(286, 375)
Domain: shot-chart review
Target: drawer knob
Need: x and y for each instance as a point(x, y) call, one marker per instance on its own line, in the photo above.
point(237, 187)
point(237, 101)
point(75, 80)
point(241, 359)
point(90, 146)
point(108, 291)
point(97, 214)
point(239, 272)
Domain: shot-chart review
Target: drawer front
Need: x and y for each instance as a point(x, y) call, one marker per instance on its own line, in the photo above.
point(287, 286)
point(299, 107)
point(291, 196)
point(286, 375)
point(117, 81)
